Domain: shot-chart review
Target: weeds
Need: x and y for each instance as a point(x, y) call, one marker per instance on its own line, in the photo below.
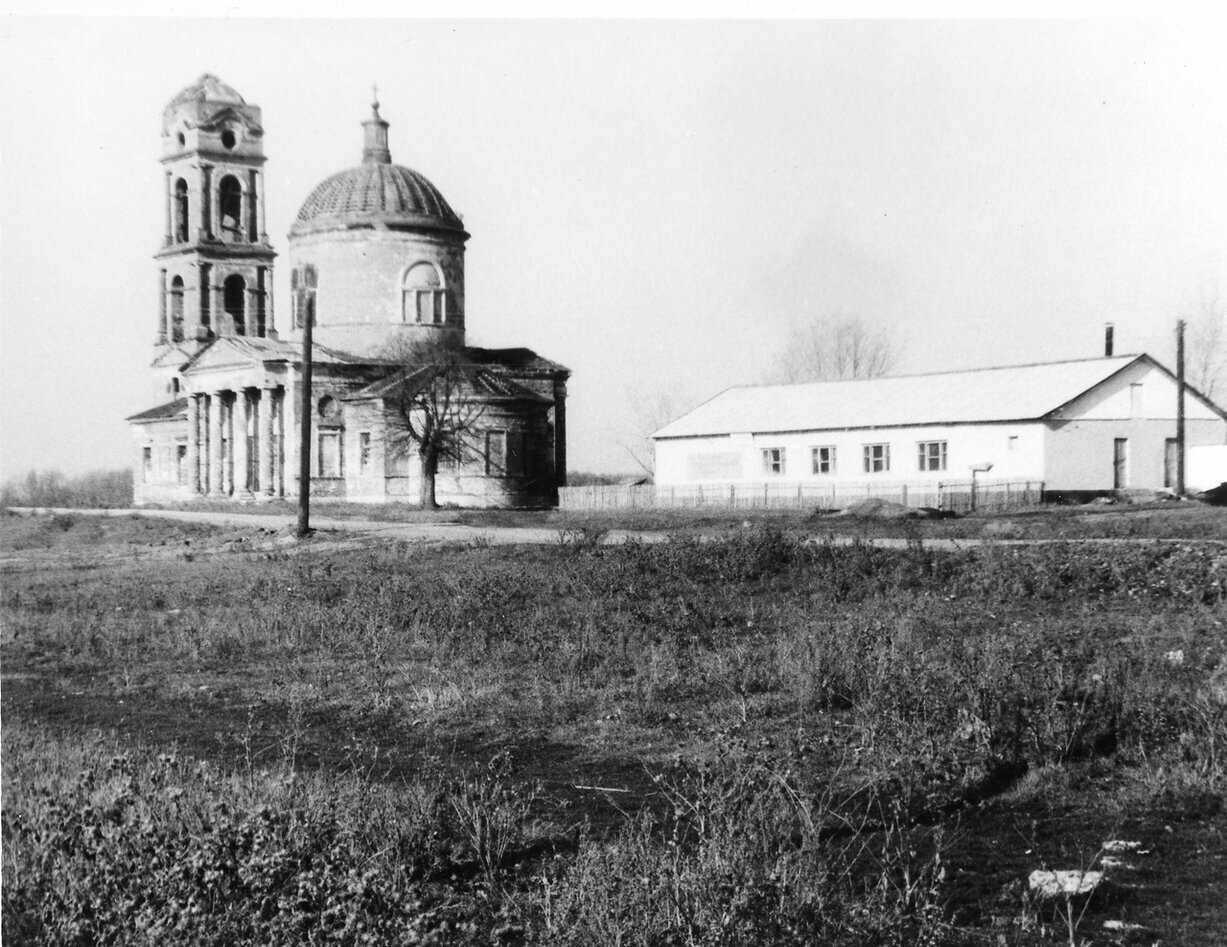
point(834, 711)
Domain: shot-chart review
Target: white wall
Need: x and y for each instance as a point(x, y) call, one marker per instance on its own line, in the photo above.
point(738, 458)
point(1117, 399)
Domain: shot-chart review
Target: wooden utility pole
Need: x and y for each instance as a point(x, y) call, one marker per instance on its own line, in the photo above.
point(306, 309)
point(1179, 407)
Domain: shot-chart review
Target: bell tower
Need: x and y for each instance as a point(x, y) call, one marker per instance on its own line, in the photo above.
point(215, 266)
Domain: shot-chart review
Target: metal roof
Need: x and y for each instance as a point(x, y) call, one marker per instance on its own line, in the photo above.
point(163, 412)
point(1014, 393)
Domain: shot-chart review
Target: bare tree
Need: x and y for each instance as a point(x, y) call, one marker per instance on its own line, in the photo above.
point(836, 348)
point(1206, 345)
point(432, 407)
point(650, 411)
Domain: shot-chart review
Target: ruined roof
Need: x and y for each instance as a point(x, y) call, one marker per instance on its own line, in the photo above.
point(163, 412)
point(208, 98)
point(488, 383)
point(1012, 393)
point(520, 359)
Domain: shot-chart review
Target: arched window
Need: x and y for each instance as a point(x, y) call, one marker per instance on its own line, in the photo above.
point(176, 309)
point(230, 209)
point(234, 301)
point(423, 295)
point(181, 212)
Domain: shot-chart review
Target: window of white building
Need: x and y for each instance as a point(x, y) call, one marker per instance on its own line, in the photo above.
point(773, 461)
point(877, 458)
point(824, 460)
point(932, 455)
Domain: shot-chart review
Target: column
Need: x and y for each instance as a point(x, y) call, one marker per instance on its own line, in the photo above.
point(163, 326)
point(264, 441)
point(206, 202)
point(251, 225)
point(238, 442)
point(251, 317)
point(215, 445)
point(227, 444)
point(269, 329)
point(289, 433)
point(167, 240)
point(258, 196)
point(221, 324)
point(205, 320)
point(193, 444)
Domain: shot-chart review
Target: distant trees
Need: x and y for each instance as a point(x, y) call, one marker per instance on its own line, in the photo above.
point(833, 349)
point(97, 488)
point(1206, 346)
point(431, 408)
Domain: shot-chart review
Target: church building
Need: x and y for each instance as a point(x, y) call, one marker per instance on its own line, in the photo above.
point(377, 258)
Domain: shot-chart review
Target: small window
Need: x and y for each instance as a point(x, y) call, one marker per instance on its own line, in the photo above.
point(1011, 442)
point(877, 458)
point(932, 455)
point(146, 464)
point(496, 453)
point(1137, 403)
point(364, 452)
point(228, 139)
point(824, 460)
point(181, 463)
point(773, 461)
point(329, 409)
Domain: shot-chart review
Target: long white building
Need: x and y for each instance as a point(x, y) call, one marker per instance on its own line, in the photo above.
point(1088, 425)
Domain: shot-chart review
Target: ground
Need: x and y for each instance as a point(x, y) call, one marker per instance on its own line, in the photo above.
point(768, 736)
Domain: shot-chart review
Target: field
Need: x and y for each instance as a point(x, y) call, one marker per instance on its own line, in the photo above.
point(757, 738)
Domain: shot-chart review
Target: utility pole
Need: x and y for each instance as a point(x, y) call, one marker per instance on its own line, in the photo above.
point(1179, 407)
point(306, 310)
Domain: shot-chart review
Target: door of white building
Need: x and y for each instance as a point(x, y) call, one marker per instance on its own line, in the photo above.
point(1120, 463)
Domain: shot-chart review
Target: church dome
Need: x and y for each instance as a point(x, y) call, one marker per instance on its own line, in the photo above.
point(376, 194)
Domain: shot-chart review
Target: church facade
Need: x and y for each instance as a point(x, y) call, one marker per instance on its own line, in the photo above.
point(378, 266)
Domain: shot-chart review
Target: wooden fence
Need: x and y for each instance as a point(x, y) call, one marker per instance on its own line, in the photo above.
point(959, 496)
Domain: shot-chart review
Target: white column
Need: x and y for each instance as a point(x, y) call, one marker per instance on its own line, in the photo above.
point(264, 439)
point(239, 441)
point(289, 432)
point(228, 445)
point(216, 485)
point(193, 444)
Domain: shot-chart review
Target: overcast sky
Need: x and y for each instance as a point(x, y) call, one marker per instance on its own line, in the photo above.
point(653, 203)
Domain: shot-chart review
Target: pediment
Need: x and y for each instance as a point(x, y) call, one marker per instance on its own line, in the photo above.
point(223, 353)
point(176, 356)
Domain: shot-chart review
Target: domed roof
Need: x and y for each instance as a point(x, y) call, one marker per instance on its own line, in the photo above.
point(376, 193)
point(204, 100)
point(208, 88)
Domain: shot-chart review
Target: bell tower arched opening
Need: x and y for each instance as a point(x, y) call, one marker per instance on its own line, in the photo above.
point(176, 309)
point(181, 212)
point(234, 302)
point(230, 209)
